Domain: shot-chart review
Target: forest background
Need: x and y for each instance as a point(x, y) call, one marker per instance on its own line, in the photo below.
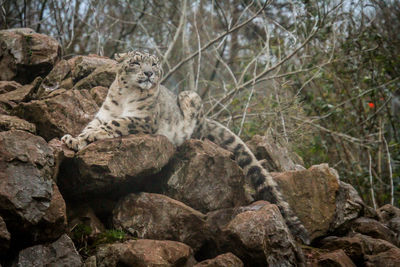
point(322, 77)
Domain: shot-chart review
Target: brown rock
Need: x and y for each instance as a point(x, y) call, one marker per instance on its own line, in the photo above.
point(68, 112)
point(25, 54)
point(348, 205)
point(60, 152)
point(26, 163)
point(69, 72)
point(312, 195)
point(256, 233)
point(111, 164)
point(224, 260)
point(358, 247)
point(14, 123)
point(99, 94)
point(60, 253)
point(389, 258)
point(30, 202)
point(145, 253)
point(390, 216)
point(335, 258)
point(84, 215)
point(21, 94)
point(154, 216)
point(8, 86)
point(373, 228)
point(275, 155)
point(205, 177)
point(101, 76)
point(4, 237)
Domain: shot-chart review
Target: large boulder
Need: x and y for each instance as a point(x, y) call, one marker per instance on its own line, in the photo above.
point(66, 112)
point(25, 54)
point(205, 177)
point(124, 164)
point(312, 195)
point(143, 253)
point(257, 234)
point(59, 253)
point(30, 203)
point(154, 216)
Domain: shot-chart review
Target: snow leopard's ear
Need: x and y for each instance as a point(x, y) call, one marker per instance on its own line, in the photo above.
point(119, 57)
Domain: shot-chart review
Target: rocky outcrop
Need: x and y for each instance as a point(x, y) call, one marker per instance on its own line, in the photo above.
point(25, 54)
point(143, 253)
point(205, 177)
point(60, 253)
point(139, 201)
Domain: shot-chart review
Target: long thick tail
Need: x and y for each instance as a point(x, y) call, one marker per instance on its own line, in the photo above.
point(262, 181)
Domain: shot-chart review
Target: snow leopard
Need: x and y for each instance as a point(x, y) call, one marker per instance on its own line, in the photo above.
point(137, 103)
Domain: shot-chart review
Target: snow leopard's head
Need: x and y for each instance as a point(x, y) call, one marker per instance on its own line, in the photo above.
point(138, 70)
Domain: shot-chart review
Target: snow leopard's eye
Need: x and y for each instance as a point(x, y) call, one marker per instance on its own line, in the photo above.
point(154, 65)
point(134, 63)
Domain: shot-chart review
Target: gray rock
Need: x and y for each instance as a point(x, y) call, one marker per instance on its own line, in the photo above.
point(61, 253)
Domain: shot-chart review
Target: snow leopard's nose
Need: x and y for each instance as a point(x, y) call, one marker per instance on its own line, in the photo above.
point(148, 73)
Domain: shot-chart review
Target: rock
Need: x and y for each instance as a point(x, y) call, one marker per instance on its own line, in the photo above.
point(124, 163)
point(390, 216)
point(205, 177)
point(348, 205)
point(335, 258)
point(102, 76)
point(99, 94)
point(60, 253)
point(60, 152)
point(276, 157)
point(14, 123)
point(373, 228)
point(145, 253)
point(155, 216)
point(8, 86)
point(26, 163)
point(257, 234)
point(4, 237)
point(25, 54)
point(30, 202)
point(69, 72)
point(84, 215)
point(312, 195)
point(224, 260)
point(68, 112)
point(361, 248)
point(389, 258)
point(21, 94)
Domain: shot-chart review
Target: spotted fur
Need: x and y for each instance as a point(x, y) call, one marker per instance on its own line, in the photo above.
point(137, 103)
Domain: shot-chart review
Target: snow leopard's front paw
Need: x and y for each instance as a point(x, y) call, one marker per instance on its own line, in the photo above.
point(74, 143)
